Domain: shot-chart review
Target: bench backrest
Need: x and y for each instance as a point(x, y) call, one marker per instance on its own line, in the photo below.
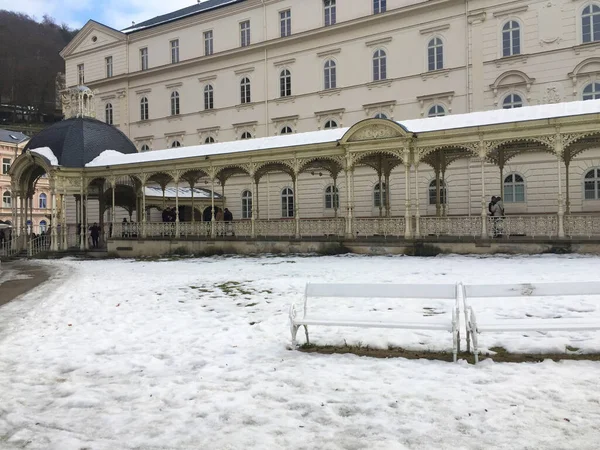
point(437, 291)
point(531, 289)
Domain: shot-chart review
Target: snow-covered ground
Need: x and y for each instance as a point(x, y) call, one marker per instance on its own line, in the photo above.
point(193, 354)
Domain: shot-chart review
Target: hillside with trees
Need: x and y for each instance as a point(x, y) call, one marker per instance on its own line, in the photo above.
point(29, 66)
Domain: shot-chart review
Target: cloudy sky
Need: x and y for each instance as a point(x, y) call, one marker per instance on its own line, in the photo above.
point(115, 13)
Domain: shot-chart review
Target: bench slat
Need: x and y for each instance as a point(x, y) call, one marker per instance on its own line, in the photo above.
point(443, 326)
point(532, 289)
point(398, 291)
point(541, 325)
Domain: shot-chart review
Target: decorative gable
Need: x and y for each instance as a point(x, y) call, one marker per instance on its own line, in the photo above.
point(91, 37)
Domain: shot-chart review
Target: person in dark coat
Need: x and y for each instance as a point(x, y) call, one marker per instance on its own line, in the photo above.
point(228, 217)
point(95, 234)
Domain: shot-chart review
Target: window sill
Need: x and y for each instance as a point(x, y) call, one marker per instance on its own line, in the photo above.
point(286, 99)
point(435, 74)
point(379, 83)
point(511, 60)
point(242, 106)
point(330, 92)
point(208, 112)
point(175, 118)
point(587, 47)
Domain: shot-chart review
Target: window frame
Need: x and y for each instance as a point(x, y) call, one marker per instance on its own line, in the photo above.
point(43, 226)
point(432, 192)
point(379, 6)
point(285, 83)
point(594, 19)
point(208, 37)
point(596, 180)
point(176, 144)
point(287, 203)
point(144, 58)
point(284, 128)
point(245, 136)
point(332, 197)
point(145, 148)
point(245, 91)
point(7, 195)
point(379, 67)
point(109, 66)
point(436, 113)
point(509, 188)
point(285, 23)
point(6, 165)
point(108, 113)
point(209, 140)
point(435, 54)
point(245, 33)
point(144, 110)
point(209, 97)
point(246, 198)
point(512, 51)
point(377, 197)
point(594, 94)
point(175, 105)
point(329, 12)
point(330, 74)
point(174, 47)
point(512, 102)
point(330, 121)
point(81, 74)
point(42, 201)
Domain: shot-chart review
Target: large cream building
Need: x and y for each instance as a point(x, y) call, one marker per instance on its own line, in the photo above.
point(225, 70)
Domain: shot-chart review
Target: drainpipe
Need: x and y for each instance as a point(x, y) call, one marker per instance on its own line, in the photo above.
point(468, 52)
point(266, 69)
point(127, 86)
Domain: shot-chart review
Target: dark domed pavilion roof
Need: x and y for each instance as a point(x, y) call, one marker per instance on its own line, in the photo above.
point(75, 142)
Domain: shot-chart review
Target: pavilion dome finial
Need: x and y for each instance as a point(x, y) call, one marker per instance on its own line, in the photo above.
point(78, 102)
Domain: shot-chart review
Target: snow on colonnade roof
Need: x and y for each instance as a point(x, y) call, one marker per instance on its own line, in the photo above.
point(456, 121)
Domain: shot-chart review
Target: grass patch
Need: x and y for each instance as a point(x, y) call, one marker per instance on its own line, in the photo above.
point(234, 289)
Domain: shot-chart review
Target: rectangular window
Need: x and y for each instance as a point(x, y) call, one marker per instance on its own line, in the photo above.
point(379, 6)
point(175, 51)
point(590, 190)
point(245, 33)
point(285, 21)
point(7, 200)
point(144, 58)
point(80, 74)
point(5, 166)
point(208, 43)
point(330, 12)
point(109, 67)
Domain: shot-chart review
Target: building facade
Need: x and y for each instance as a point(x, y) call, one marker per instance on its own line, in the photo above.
point(233, 70)
point(11, 145)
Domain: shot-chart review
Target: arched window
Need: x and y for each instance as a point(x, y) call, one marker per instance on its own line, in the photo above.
point(285, 83)
point(379, 65)
point(286, 130)
point(590, 24)
point(433, 192)
point(246, 205)
point(43, 226)
point(514, 189)
point(511, 38)
point(329, 71)
point(330, 124)
point(209, 140)
point(287, 203)
point(436, 111)
point(512, 101)
point(591, 185)
point(176, 144)
point(246, 135)
point(332, 197)
point(43, 201)
point(145, 148)
point(6, 199)
point(245, 90)
point(209, 97)
point(108, 113)
point(380, 116)
point(435, 54)
point(330, 12)
point(144, 108)
point(592, 91)
point(379, 195)
point(174, 103)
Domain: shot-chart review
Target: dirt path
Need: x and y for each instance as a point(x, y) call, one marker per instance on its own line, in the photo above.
point(22, 276)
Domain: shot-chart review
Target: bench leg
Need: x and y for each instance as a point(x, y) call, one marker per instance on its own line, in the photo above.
point(457, 351)
point(294, 330)
point(306, 333)
point(475, 349)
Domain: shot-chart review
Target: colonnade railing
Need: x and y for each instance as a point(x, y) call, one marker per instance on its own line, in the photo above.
point(512, 226)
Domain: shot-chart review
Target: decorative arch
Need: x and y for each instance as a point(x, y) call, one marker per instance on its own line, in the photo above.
point(509, 80)
point(266, 167)
point(373, 129)
point(27, 168)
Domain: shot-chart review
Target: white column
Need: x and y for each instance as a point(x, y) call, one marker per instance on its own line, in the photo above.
point(81, 219)
point(64, 231)
point(336, 197)
point(484, 210)
point(417, 205)
point(144, 209)
point(212, 205)
point(296, 206)
point(193, 210)
point(54, 220)
point(253, 210)
point(407, 217)
point(177, 208)
point(561, 212)
point(380, 193)
point(86, 242)
point(348, 211)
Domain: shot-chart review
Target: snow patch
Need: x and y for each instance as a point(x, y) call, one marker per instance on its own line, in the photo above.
point(47, 153)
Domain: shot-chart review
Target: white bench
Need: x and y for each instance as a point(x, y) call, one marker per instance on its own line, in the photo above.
point(370, 291)
point(474, 327)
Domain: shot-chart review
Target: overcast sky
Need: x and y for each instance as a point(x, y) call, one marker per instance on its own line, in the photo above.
point(114, 13)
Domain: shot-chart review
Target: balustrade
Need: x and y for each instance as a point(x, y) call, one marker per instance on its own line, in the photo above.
point(582, 225)
point(322, 227)
point(450, 226)
point(530, 226)
point(379, 226)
